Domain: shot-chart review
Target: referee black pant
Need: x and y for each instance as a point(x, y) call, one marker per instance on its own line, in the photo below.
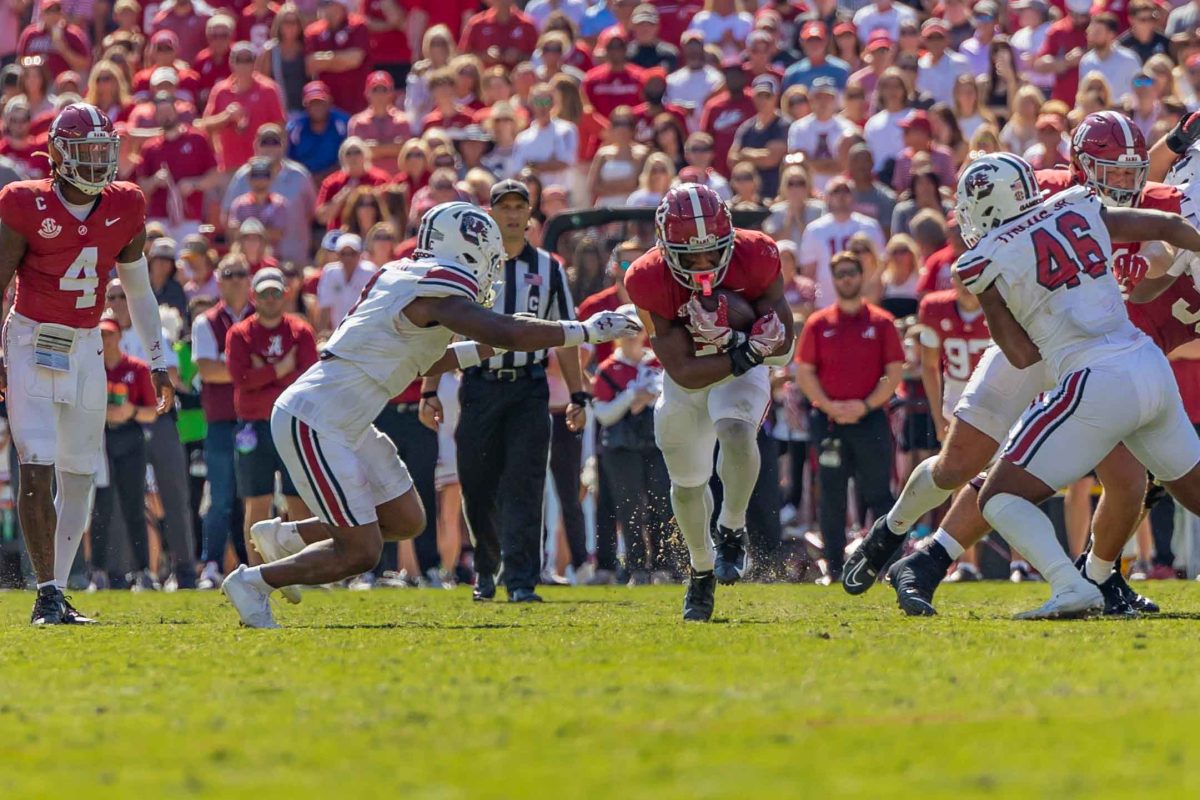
point(866, 452)
point(125, 448)
point(418, 449)
point(503, 442)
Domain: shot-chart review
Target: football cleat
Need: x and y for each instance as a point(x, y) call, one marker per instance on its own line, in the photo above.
point(47, 607)
point(964, 573)
point(253, 606)
point(1120, 600)
point(916, 577)
point(700, 599)
point(485, 588)
point(265, 537)
point(1081, 600)
point(733, 558)
point(70, 616)
point(872, 555)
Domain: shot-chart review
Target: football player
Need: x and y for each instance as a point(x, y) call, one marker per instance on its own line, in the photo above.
point(61, 237)
point(344, 468)
point(716, 389)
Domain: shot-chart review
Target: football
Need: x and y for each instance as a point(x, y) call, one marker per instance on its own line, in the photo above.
point(741, 313)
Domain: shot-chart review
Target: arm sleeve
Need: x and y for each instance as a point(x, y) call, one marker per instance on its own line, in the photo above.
point(143, 310)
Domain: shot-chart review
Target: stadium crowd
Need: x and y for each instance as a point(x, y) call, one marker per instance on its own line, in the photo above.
point(287, 150)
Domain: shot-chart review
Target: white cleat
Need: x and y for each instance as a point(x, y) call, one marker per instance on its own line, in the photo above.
point(1078, 601)
point(252, 605)
point(265, 536)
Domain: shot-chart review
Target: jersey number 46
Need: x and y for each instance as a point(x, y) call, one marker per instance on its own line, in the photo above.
point(1063, 255)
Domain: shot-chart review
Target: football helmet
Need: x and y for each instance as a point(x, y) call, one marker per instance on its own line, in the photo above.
point(692, 219)
point(461, 234)
point(84, 147)
point(993, 190)
point(1108, 153)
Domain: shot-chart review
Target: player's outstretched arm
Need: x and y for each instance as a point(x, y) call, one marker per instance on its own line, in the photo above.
point(465, 317)
point(12, 250)
point(1007, 333)
point(1145, 225)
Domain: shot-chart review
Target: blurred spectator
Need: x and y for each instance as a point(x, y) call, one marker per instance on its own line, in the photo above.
point(440, 189)
point(269, 208)
point(1033, 23)
point(27, 152)
point(1185, 18)
point(447, 113)
point(1051, 149)
point(617, 166)
point(177, 168)
point(831, 234)
point(197, 261)
point(870, 196)
point(266, 353)
point(1144, 37)
point(940, 66)
point(539, 10)
point(698, 151)
point(877, 55)
point(726, 110)
point(746, 186)
point(212, 63)
point(62, 45)
point(849, 363)
point(131, 403)
point(1146, 106)
point(381, 243)
point(108, 91)
point(341, 283)
point(571, 106)
point(923, 192)
point(289, 180)
point(967, 110)
point(919, 144)
point(209, 332)
point(694, 82)
point(34, 84)
point(939, 242)
point(251, 244)
point(551, 53)
point(647, 49)
point(1117, 64)
point(957, 16)
point(817, 63)
point(796, 209)
point(500, 35)
point(362, 211)
point(254, 24)
point(188, 22)
point(144, 116)
point(723, 25)
point(615, 82)
point(548, 146)
point(471, 143)
point(336, 47)
point(388, 24)
point(356, 169)
point(762, 52)
point(167, 290)
point(762, 140)
point(282, 58)
point(901, 273)
point(977, 49)
point(1063, 47)
point(819, 135)
point(315, 137)
point(500, 160)
point(382, 126)
point(163, 52)
point(1020, 132)
point(883, 132)
point(881, 15)
point(238, 107)
point(437, 48)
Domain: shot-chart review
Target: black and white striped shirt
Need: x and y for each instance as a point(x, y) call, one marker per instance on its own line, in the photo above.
point(534, 283)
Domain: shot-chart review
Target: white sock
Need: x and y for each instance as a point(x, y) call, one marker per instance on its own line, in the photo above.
point(73, 506)
point(1027, 529)
point(47, 583)
point(948, 543)
point(738, 464)
point(254, 577)
point(289, 538)
point(693, 507)
point(1098, 570)
point(920, 496)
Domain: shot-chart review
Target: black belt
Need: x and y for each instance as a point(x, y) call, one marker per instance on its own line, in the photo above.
point(509, 374)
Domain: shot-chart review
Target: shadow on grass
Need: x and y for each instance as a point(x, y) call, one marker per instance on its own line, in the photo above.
point(423, 625)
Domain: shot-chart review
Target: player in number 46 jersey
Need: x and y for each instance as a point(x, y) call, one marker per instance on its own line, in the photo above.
point(61, 238)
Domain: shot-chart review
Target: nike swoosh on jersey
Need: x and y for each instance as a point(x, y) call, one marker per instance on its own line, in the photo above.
point(111, 222)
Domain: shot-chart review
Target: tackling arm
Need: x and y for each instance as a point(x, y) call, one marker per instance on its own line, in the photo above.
point(466, 317)
point(1143, 225)
point(1007, 333)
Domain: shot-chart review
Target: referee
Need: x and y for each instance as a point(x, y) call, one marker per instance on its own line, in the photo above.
point(503, 432)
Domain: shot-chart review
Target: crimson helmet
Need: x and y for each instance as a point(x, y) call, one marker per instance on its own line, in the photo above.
point(1103, 143)
point(84, 147)
point(692, 219)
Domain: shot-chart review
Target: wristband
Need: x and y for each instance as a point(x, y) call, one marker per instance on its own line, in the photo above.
point(466, 353)
point(581, 398)
point(574, 333)
point(429, 394)
point(743, 358)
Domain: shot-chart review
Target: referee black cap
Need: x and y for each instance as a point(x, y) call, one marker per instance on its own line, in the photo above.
point(509, 187)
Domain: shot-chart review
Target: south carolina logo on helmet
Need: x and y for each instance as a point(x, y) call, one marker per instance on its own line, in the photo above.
point(460, 236)
point(1108, 153)
point(692, 219)
point(993, 190)
point(84, 148)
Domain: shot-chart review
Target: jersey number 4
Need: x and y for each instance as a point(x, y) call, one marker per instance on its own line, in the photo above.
point(1062, 256)
point(81, 277)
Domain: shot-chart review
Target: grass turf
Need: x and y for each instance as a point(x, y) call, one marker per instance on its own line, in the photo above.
point(792, 692)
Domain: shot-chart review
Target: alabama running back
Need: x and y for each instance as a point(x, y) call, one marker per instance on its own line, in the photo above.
point(716, 390)
point(61, 238)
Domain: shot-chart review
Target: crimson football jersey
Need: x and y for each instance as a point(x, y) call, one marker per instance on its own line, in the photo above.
point(67, 263)
point(961, 342)
point(753, 267)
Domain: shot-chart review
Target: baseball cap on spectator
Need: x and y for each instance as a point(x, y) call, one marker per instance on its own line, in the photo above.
point(502, 110)
point(759, 35)
point(127, 5)
point(165, 39)
point(838, 183)
point(380, 78)
point(509, 186)
point(1079, 6)
point(878, 41)
point(653, 73)
point(260, 168)
point(164, 96)
point(330, 239)
point(813, 30)
point(268, 278)
point(49, 4)
point(645, 13)
point(1049, 122)
point(985, 11)
point(934, 25)
point(731, 62)
point(66, 78)
point(610, 36)
point(220, 21)
point(251, 226)
point(239, 48)
point(317, 91)
point(471, 133)
point(194, 245)
point(154, 228)
point(163, 248)
point(844, 28)
point(765, 83)
point(163, 75)
point(823, 84)
point(349, 241)
point(691, 36)
point(917, 120)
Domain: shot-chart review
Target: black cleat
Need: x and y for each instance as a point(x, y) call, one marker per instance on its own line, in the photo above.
point(70, 616)
point(47, 607)
point(732, 558)
point(870, 558)
point(917, 576)
point(1116, 591)
point(700, 599)
point(1136, 601)
point(485, 588)
point(524, 596)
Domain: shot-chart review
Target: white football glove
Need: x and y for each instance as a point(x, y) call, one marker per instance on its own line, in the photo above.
point(604, 326)
point(767, 334)
point(710, 327)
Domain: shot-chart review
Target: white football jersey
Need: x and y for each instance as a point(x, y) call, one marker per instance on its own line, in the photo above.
point(376, 351)
point(1051, 266)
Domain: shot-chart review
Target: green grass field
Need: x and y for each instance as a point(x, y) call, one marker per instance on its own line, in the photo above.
point(792, 692)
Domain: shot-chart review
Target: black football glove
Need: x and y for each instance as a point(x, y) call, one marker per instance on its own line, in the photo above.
point(1184, 134)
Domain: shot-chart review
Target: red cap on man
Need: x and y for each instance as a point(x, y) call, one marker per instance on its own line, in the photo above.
point(380, 78)
point(316, 90)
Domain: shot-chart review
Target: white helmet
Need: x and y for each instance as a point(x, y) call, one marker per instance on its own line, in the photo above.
point(994, 189)
point(463, 235)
